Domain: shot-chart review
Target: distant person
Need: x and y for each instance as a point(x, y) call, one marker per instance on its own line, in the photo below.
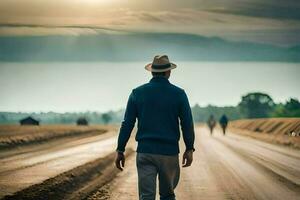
point(224, 122)
point(211, 123)
point(158, 106)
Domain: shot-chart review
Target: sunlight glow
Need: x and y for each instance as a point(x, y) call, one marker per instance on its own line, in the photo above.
point(98, 2)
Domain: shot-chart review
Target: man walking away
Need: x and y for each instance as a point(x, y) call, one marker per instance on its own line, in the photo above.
point(223, 122)
point(211, 123)
point(158, 106)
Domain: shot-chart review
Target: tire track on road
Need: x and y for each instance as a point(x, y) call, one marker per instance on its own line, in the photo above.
point(265, 185)
point(288, 168)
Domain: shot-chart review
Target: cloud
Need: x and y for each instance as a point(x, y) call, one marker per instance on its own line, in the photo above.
point(40, 30)
point(150, 17)
point(289, 9)
point(230, 19)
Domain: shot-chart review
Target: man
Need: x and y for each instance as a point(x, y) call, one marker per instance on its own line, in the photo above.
point(158, 106)
point(211, 123)
point(223, 122)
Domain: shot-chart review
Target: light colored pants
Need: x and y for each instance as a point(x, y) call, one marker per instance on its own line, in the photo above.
point(149, 166)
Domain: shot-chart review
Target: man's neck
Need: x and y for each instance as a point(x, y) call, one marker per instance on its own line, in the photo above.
point(160, 77)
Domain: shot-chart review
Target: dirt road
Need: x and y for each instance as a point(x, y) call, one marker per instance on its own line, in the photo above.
point(230, 167)
point(224, 167)
point(24, 167)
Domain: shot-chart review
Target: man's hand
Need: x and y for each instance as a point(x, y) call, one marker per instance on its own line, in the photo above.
point(187, 158)
point(120, 161)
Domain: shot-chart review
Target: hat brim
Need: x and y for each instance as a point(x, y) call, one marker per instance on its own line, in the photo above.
point(149, 68)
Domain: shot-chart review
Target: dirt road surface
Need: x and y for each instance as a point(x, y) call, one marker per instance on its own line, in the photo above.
point(230, 167)
point(224, 167)
point(22, 168)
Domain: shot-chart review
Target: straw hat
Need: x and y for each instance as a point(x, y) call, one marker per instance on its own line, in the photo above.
point(160, 64)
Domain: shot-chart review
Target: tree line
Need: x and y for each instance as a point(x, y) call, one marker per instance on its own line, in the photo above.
point(252, 105)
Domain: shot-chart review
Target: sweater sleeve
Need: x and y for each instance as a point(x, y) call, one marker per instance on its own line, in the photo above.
point(128, 123)
point(186, 122)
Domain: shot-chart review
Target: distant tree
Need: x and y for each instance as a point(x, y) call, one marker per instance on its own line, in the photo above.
point(290, 109)
point(279, 111)
point(292, 105)
point(200, 114)
point(3, 119)
point(256, 105)
point(106, 117)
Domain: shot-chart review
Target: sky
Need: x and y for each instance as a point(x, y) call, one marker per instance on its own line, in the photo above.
point(76, 87)
point(102, 86)
point(266, 21)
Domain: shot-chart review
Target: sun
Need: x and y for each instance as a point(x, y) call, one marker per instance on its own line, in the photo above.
point(99, 1)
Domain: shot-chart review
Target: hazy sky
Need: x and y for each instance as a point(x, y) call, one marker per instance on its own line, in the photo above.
point(271, 21)
point(103, 86)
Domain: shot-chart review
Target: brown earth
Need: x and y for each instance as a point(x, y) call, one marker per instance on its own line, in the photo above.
point(274, 130)
point(33, 163)
point(77, 183)
point(16, 135)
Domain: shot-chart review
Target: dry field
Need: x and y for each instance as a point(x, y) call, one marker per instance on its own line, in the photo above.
point(276, 130)
point(11, 135)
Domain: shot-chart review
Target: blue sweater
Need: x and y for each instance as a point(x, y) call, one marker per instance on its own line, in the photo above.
point(158, 106)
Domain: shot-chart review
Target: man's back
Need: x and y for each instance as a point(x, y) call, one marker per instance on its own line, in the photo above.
point(158, 106)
